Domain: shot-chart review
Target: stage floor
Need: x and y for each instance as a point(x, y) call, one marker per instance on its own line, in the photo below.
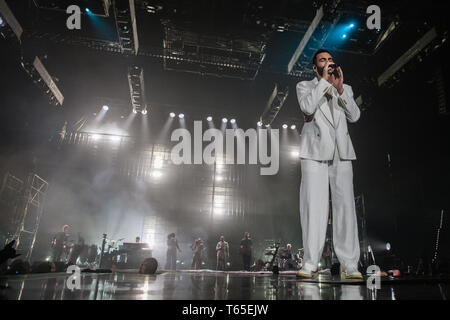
point(213, 285)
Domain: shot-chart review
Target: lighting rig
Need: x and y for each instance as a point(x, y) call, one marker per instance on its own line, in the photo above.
point(94, 7)
point(137, 89)
point(274, 105)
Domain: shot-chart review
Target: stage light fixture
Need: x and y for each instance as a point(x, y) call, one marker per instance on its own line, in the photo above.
point(134, 111)
point(181, 116)
point(1, 22)
point(259, 123)
point(267, 125)
point(233, 121)
point(87, 10)
point(224, 120)
point(351, 25)
point(105, 107)
point(209, 118)
point(144, 112)
point(388, 246)
point(295, 154)
point(172, 115)
point(285, 126)
point(344, 36)
point(293, 127)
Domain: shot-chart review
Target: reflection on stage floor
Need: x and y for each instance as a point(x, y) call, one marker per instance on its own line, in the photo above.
point(212, 285)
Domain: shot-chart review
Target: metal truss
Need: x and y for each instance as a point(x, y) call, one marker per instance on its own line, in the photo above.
point(10, 199)
point(213, 55)
point(125, 16)
point(274, 105)
point(137, 89)
point(29, 214)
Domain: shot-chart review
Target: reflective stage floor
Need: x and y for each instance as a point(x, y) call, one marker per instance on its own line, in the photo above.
point(212, 285)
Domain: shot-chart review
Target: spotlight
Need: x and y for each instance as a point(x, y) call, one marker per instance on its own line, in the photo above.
point(388, 246)
point(172, 115)
point(156, 174)
point(134, 111)
point(259, 123)
point(351, 25)
point(285, 126)
point(87, 10)
point(344, 36)
point(295, 154)
point(95, 137)
point(293, 127)
point(106, 108)
point(267, 125)
point(1, 22)
point(181, 116)
point(144, 112)
point(209, 118)
point(233, 121)
point(219, 178)
point(224, 120)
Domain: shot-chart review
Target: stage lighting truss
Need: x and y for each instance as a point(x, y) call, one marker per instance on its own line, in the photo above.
point(211, 55)
point(43, 79)
point(137, 89)
point(274, 104)
point(9, 24)
point(125, 14)
point(96, 7)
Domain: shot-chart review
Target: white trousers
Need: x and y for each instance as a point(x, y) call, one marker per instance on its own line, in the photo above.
point(317, 178)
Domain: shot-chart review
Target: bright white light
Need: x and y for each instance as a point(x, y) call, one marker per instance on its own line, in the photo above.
point(219, 178)
point(285, 126)
point(233, 121)
point(218, 210)
point(209, 118)
point(267, 125)
point(388, 246)
point(293, 127)
point(172, 115)
point(224, 120)
point(259, 123)
point(144, 112)
point(181, 116)
point(134, 111)
point(115, 139)
point(105, 107)
point(158, 164)
point(95, 137)
point(156, 174)
point(295, 154)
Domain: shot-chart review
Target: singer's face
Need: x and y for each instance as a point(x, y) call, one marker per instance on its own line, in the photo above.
point(321, 60)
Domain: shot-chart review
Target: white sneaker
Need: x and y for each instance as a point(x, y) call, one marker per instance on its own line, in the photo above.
point(352, 274)
point(305, 273)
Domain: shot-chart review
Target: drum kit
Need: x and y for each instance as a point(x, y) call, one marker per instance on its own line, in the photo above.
point(280, 259)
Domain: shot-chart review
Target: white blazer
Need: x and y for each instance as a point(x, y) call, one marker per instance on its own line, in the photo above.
point(322, 131)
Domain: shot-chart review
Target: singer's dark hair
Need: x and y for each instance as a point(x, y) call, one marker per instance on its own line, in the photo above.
point(317, 52)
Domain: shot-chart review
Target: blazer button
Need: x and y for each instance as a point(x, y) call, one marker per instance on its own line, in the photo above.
point(318, 134)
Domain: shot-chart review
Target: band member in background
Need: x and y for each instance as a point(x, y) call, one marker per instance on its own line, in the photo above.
point(287, 257)
point(223, 253)
point(59, 243)
point(326, 154)
point(138, 239)
point(198, 249)
point(246, 251)
point(172, 247)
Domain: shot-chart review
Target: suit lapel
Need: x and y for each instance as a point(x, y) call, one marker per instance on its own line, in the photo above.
point(326, 111)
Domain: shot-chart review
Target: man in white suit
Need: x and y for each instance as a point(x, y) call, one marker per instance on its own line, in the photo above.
point(326, 153)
